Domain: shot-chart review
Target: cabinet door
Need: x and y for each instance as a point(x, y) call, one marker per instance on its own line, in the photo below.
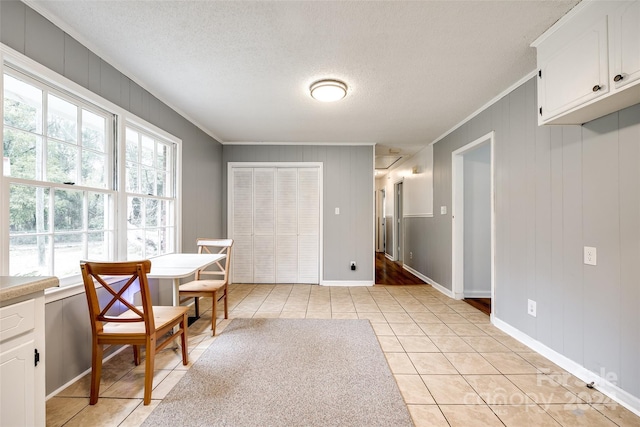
point(17, 388)
point(287, 225)
point(575, 70)
point(242, 262)
point(264, 225)
point(308, 225)
point(625, 24)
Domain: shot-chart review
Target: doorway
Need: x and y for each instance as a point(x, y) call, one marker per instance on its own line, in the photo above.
point(399, 231)
point(473, 222)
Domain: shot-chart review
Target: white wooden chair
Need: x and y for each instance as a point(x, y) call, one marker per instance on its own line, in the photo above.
point(215, 288)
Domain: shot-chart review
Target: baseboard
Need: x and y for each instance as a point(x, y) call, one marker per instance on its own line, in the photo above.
point(88, 371)
point(477, 294)
point(347, 283)
point(604, 386)
point(430, 281)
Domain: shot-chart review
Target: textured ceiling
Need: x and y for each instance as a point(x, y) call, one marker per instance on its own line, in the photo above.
point(241, 70)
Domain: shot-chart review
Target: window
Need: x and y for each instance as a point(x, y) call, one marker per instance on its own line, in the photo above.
point(65, 191)
point(149, 187)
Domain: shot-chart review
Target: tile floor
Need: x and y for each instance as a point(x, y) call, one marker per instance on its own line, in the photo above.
point(452, 366)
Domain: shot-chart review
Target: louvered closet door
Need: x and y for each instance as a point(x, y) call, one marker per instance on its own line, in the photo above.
point(242, 262)
point(264, 225)
point(308, 224)
point(287, 225)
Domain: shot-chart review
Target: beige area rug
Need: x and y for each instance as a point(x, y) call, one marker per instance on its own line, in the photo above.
point(287, 372)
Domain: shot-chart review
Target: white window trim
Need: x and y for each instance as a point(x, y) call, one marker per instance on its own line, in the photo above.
point(123, 117)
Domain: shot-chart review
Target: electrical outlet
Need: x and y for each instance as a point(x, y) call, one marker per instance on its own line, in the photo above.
point(590, 255)
point(443, 210)
point(531, 308)
point(410, 255)
point(352, 265)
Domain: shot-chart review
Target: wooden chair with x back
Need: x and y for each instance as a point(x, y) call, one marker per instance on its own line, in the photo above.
point(215, 288)
point(145, 325)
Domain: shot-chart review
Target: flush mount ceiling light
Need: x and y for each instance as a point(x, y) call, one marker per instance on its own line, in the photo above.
point(328, 90)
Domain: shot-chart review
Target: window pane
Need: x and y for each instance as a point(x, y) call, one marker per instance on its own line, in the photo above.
point(151, 212)
point(132, 146)
point(148, 181)
point(99, 246)
point(132, 178)
point(28, 209)
point(97, 213)
point(94, 131)
point(152, 243)
point(134, 244)
point(23, 151)
point(134, 212)
point(161, 184)
point(163, 157)
point(68, 214)
point(29, 256)
point(62, 119)
point(166, 239)
point(22, 105)
point(147, 150)
point(94, 169)
point(69, 250)
point(62, 162)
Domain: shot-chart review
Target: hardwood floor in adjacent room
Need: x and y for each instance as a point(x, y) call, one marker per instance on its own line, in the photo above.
point(391, 272)
point(482, 304)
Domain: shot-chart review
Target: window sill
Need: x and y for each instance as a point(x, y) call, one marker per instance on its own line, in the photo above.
point(56, 294)
point(68, 291)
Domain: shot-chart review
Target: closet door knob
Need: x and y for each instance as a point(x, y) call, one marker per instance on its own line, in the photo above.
point(618, 78)
point(596, 88)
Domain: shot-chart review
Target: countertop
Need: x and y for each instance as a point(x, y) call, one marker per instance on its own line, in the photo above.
point(14, 287)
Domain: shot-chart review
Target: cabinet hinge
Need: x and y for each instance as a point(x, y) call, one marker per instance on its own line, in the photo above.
point(540, 73)
point(36, 357)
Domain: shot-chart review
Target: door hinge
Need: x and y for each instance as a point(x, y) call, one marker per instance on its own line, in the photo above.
point(36, 357)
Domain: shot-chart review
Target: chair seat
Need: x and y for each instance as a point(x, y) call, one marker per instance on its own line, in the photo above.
point(202, 286)
point(162, 317)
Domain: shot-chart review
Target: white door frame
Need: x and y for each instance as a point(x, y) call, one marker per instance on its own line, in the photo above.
point(398, 226)
point(457, 212)
point(319, 165)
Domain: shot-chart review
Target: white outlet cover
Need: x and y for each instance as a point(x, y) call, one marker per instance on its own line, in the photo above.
point(531, 308)
point(443, 210)
point(337, 211)
point(590, 255)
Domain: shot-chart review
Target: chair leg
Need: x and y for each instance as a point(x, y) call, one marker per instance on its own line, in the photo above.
point(214, 313)
point(196, 303)
point(184, 339)
point(96, 372)
point(136, 354)
point(148, 369)
point(226, 308)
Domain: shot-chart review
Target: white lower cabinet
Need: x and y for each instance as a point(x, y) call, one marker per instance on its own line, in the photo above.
point(22, 375)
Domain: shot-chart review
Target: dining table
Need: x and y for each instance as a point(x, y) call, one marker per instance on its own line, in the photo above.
point(170, 268)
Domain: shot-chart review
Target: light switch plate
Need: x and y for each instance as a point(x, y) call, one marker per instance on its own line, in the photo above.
point(443, 210)
point(337, 211)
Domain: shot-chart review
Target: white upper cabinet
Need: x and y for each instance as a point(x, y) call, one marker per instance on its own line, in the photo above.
point(589, 63)
point(626, 44)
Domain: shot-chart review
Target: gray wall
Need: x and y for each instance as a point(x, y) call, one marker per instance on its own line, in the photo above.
point(26, 31)
point(477, 222)
point(347, 184)
point(558, 188)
